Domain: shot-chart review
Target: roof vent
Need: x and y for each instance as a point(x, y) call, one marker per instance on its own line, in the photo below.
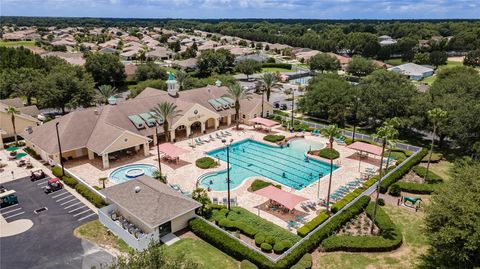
point(137, 189)
point(96, 112)
point(218, 83)
point(112, 100)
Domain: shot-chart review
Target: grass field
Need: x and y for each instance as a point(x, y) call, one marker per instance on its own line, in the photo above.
point(449, 64)
point(95, 231)
point(415, 244)
point(396, 61)
point(275, 69)
point(201, 253)
point(16, 43)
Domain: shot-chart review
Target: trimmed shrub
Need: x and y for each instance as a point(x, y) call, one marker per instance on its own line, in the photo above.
point(274, 138)
point(401, 171)
point(32, 153)
point(70, 181)
point(270, 240)
point(260, 184)
point(431, 176)
point(226, 223)
point(246, 264)
point(287, 244)
point(57, 171)
point(205, 163)
point(436, 157)
point(96, 200)
point(328, 153)
point(395, 190)
point(304, 263)
point(245, 229)
point(309, 226)
point(277, 65)
point(416, 188)
point(278, 248)
point(381, 202)
point(389, 239)
point(259, 239)
point(266, 247)
point(347, 199)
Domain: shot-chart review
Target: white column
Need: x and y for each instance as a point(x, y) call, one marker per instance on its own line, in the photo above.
point(1, 142)
point(189, 130)
point(91, 155)
point(137, 148)
point(202, 127)
point(172, 135)
point(155, 139)
point(105, 161)
point(146, 149)
point(229, 120)
point(217, 123)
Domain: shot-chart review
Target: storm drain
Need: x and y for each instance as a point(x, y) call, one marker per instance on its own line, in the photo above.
point(40, 210)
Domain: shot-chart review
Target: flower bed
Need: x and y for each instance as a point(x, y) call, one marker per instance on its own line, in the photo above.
point(206, 163)
point(328, 153)
point(274, 138)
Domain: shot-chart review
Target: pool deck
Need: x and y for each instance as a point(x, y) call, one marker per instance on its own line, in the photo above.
point(186, 175)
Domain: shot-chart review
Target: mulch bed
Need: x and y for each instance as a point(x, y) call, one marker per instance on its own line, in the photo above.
point(359, 226)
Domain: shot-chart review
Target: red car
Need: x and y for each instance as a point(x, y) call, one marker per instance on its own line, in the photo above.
point(53, 184)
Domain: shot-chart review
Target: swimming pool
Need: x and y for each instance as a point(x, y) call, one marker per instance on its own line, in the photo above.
point(285, 165)
point(131, 171)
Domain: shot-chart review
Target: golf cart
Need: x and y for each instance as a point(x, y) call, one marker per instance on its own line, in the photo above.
point(37, 175)
point(8, 198)
point(53, 184)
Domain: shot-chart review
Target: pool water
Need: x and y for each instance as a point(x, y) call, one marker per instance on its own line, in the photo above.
point(119, 175)
point(285, 165)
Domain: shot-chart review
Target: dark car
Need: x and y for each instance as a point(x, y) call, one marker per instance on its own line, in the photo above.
point(283, 107)
point(53, 184)
point(276, 104)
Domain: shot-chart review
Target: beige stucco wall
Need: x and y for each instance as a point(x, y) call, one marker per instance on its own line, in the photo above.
point(131, 141)
point(182, 221)
point(21, 123)
point(189, 116)
point(256, 112)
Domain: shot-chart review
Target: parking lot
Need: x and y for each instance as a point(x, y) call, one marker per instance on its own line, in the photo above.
point(50, 243)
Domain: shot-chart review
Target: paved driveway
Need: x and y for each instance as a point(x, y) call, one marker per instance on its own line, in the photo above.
point(50, 243)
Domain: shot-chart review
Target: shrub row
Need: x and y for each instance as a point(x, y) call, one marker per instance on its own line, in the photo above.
point(279, 246)
point(238, 226)
point(328, 153)
point(411, 187)
point(389, 239)
point(304, 263)
point(274, 138)
point(309, 226)
point(277, 65)
point(205, 163)
point(94, 198)
point(402, 170)
point(239, 251)
point(32, 153)
point(260, 184)
point(431, 176)
point(436, 157)
point(246, 264)
point(347, 199)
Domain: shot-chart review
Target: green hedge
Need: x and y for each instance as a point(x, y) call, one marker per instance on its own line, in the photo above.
point(246, 264)
point(57, 171)
point(416, 188)
point(347, 199)
point(260, 184)
point(266, 247)
point(274, 138)
point(390, 237)
point(309, 226)
point(304, 263)
point(402, 170)
point(431, 176)
point(436, 157)
point(32, 153)
point(70, 181)
point(328, 153)
point(277, 65)
point(205, 163)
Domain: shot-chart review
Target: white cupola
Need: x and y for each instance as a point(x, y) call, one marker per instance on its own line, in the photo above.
point(172, 85)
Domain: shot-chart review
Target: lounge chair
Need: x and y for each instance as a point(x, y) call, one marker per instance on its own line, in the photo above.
point(218, 136)
point(211, 138)
point(206, 140)
point(228, 133)
point(225, 200)
point(224, 133)
point(300, 219)
point(215, 200)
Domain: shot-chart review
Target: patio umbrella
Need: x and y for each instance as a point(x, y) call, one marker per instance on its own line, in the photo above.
point(12, 148)
point(20, 155)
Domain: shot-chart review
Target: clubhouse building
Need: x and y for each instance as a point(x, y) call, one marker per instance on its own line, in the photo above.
point(128, 127)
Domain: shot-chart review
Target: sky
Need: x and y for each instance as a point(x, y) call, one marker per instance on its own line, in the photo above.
point(305, 9)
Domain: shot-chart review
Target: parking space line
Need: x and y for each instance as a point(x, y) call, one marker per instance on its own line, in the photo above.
point(72, 205)
point(73, 210)
point(81, 212)
point(74, 199)
point(11, 211)
point(87, 216)
point(8, 207)
point(58, 195)
point(14, 215)
point(63, 198)
point(55, 192)
point(41, 183)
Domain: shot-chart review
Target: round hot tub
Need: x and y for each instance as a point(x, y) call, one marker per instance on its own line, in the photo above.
point(131, 171)
point(134, 172)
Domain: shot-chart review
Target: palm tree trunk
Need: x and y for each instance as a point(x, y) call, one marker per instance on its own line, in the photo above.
point(378, 186)
point(330, 177)
point(268, 94)
point(165, 130)
point(14, 129)
point(354, 131)
point(430, 153)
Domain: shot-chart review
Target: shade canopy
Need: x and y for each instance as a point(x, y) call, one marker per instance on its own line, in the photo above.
point(288, 200)
point(171, 150)
point(20, 155)
point(365, 147)
point(263, 121)
point(12, 148)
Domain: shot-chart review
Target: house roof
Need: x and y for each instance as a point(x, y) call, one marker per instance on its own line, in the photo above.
point(411, 69)
point(154, 204)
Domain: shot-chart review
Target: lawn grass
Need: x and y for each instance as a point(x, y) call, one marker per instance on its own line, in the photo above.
point(17, 43)
point(95, 231)
point(449, 64)
point(275, 69)
point(441, 168)
point(415, 244)
point(201, 253)
point(395, 62)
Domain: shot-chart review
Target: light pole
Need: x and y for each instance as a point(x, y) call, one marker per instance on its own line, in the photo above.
point(318, 190)
point(224, 141)
point(293, 106)
point(263, 91)
point(60, 148)
point(158, 151)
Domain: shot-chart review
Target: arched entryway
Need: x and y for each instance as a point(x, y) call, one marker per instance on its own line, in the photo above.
point(196, 128)
point(210, 125)
point(180, 132)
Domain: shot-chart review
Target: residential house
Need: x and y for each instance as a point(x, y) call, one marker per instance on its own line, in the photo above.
point(413, 71)
point(28, 117)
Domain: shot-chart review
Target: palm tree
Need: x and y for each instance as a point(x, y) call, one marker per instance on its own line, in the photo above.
point(104, 92)
point(102, 180)
point(237, 93)
point(13, 111)
point(166, 111)
point(268, 81)
point(436, 116)
point(331, 132)
point(386, 132)
point(182, 80)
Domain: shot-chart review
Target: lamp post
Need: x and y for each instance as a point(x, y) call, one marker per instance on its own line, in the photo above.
point(293, 106)
point(318, 190)
point(224, 141)
point(60, 148)
point(263, 91)
point(158, 151)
